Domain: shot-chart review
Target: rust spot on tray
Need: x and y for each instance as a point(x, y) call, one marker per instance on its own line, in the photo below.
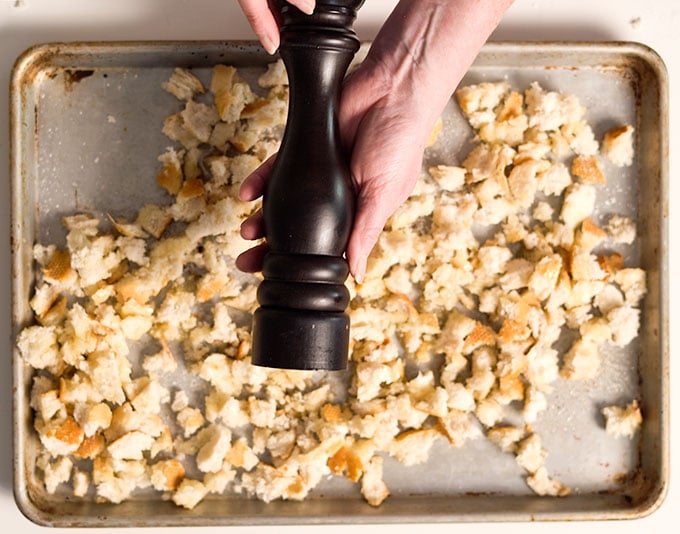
point(623, 478)
point(73, 76)
point(33, 63)
point(561, 67)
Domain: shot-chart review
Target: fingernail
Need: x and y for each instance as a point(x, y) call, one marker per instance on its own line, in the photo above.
point(244, 194)
point(241, 230)
point(307, 6)
point(241, 194)
point(269, 44)
point(239, 264)
point(359, 273)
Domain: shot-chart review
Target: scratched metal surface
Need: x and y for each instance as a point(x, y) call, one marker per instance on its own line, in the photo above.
point(90, 144)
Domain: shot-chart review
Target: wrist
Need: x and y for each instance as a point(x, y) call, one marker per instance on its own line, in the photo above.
point(426, 47)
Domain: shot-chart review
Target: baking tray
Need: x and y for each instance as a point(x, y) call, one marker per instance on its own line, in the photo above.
point(85, 131)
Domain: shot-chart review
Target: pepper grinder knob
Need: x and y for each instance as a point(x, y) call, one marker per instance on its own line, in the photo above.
point(308, 202)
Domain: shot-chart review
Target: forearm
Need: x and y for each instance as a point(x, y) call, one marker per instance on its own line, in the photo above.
point(426, 46)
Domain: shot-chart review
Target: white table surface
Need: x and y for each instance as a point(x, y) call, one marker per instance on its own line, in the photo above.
point(655, 23)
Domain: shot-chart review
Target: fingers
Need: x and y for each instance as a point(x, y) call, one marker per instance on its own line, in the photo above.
point(253, 186)
point(263, 20)
point(369, 221)
point(253, 227)
point(385, 168)
point(306, 6)
point(250, 261)
point(263, 23)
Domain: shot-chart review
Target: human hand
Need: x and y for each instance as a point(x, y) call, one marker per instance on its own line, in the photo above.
point(386, 131)
point(264, 22)
point(387, 110)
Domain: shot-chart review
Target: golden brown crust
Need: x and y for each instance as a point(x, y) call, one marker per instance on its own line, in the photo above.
point(612, 263)
point(250, 110)
point(481, 335)
point(68, 432)
point(513, 331)
point(174, 473)
point(434, 134)
point(332, 413)
point(170, 178)
point(191, 188)
point(55, 313)
point(511, 107)
point(59, 268)
point(588, 169)
point(91, 447)
point(344, 461)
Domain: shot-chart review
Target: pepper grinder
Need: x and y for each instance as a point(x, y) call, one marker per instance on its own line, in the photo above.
point(308, 202)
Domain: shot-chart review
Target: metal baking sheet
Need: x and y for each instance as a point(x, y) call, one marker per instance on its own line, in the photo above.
point(86, 129)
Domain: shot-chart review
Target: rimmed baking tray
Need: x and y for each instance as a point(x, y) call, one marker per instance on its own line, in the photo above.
point(85, 131)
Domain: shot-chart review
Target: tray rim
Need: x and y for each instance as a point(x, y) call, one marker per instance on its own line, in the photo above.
point(39, 55)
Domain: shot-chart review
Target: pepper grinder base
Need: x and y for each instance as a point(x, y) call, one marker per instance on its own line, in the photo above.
point(297, 339)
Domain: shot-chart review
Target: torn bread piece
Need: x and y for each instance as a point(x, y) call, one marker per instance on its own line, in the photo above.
point(183, 84)
point(588, 170)
point(231, 94)
point(373, 488)
point(622, 421)
point(621, 229)
point(617, 145)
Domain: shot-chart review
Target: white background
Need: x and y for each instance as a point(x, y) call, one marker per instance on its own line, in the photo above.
point(26, 22)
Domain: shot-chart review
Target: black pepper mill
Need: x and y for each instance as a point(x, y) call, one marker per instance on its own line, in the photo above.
point(308, 202)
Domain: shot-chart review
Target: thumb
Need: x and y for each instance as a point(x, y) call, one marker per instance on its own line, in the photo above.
point(384, 183)
point(369, 221)
point(263, 22)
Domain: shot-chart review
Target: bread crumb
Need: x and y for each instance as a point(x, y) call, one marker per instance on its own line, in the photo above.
point(434, 133)
point(61, 437)
point(81, 483)
point(622, 421)
point(373, 488)
point(542, 484)
point(624, 322)
point(230, 93)
point(211, 455)
point(57, 472)
point(505, 437)
point(275, 75)
point(190, 420)
point(413, 446)
point(448, 177)
point(38, 346)
point(167, 475)
point(92, 417)
point(588, 169)
point(530, 453)
point(579, 204)
point(633, 283)
point(621, 229)
point(617, 145)
point(131, 446)
point(582, 361)
point(183, 84)
point(548, 110)
point(189, 493)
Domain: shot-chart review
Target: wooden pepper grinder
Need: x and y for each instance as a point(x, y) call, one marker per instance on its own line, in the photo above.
point(308, 202)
